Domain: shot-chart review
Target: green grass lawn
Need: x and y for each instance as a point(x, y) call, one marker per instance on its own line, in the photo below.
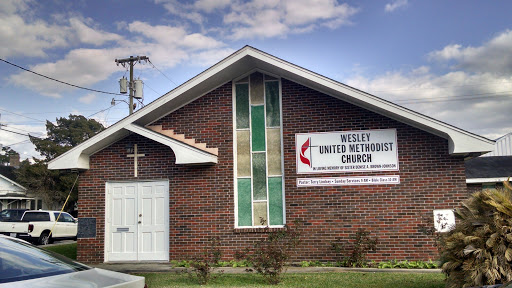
point(320, 280)
point(68, 250)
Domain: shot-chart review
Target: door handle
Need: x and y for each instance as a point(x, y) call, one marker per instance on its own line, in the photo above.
point(140, 222)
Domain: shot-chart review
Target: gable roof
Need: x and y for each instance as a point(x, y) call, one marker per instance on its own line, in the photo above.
point(249, 59)
point(488, 169)
point(503, 146)
point(9, 182)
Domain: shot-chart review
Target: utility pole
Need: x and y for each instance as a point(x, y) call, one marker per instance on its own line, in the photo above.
point(131, 61)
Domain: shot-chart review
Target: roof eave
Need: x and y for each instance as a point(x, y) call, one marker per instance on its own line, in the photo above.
point(246, 59)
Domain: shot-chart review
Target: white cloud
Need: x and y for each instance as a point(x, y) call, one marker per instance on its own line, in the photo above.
point(23, 36)
point(390, 7)
point(300, 12)
point(211, 5)
point(88, 35)
point(14, 6)
point(20, 38)
point(186, 11)
point(273, 18)
point(264, 18)
point(210, 57)
point(87, 99)
point(165, 45)
point(82, 67)
point(470, 97)
point(495, 56)
point(17, 142)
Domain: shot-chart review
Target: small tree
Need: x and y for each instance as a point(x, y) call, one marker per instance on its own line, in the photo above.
point(358, 248)
point(270, 255)
point(479, 250)
point(203, 264)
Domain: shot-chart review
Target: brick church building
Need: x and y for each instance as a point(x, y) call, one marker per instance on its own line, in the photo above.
point(255, 137)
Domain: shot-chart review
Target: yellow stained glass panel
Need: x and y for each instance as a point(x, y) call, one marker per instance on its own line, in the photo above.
point(256, 88)
point(243, 157)
point(274, 151)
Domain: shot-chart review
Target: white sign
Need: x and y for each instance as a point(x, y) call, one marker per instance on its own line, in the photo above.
point(444, 220)
point(348, 181)
point(348, 151)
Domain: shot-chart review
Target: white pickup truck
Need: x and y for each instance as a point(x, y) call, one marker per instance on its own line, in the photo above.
point(35, 226)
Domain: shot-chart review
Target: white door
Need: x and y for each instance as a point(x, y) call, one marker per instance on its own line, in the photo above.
point(137, 221)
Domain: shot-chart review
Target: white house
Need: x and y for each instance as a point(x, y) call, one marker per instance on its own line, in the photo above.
point(13, 195)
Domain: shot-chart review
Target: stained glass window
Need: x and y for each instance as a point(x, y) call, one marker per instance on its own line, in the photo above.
point(258, 137)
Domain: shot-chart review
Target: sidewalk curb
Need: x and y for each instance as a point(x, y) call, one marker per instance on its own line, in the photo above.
point(166, 267)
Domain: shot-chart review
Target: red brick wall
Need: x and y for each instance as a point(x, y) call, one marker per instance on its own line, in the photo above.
point(202, 197)
point(472, 188)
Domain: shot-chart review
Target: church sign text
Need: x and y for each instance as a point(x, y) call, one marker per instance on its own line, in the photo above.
point(347, 151)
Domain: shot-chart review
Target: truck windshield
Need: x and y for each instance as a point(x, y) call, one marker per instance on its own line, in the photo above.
point(22, 261)
point(36, 216)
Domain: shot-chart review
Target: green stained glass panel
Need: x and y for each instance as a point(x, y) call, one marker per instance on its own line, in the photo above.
point(258, 128)
point(256, 88)
point(259, 182)
point(260, 212)
point(244, 202)
point(275, 199)
point(243, 154)
point(272, 101)
point(274, 151)
point(242, 106)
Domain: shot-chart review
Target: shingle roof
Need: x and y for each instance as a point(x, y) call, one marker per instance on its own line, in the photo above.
point(489, 167)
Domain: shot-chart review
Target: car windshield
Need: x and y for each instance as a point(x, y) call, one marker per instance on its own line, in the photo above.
point(22, 261)
point(5, 214)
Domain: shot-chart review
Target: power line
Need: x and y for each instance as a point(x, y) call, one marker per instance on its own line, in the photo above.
point(22, 115)
point(162, 73)
point(442, 86)
point(21, 142)
point(146, 85)
point(450, 99)
point(3, 129)
point(101, 111)
point(495, 94)
point(62, 82)
point(10, 127)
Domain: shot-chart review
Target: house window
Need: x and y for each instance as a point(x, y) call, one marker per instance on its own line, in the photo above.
point(258, 137)
point(488, 186)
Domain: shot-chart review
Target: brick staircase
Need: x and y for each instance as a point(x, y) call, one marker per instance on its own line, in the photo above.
point(181, 137)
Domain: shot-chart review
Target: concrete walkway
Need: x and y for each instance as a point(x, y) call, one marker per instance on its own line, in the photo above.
point(166, 267)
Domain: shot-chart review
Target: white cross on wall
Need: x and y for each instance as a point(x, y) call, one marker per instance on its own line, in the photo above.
point(135, 157)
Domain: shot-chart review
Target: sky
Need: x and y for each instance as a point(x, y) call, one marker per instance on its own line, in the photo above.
point(450, 60)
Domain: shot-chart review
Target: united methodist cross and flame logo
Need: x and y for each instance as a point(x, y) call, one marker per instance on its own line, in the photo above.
point(303, 149)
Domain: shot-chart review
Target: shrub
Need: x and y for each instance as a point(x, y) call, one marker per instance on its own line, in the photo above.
point(202, 265)
point(408, 264)
point(361, 245)
point(479, 250)
point(270, 255)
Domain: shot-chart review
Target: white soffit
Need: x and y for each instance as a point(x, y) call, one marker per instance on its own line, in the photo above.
point(244, 60)
point(185, 154)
